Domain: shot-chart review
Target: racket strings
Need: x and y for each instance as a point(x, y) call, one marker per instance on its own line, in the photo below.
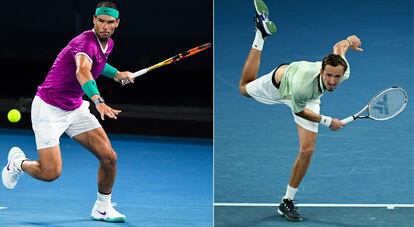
point(387, 104)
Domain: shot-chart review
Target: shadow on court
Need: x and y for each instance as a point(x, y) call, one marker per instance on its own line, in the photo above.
point(86, 222)
point(313, 217)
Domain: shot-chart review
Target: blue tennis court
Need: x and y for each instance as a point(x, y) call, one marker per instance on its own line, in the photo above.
point(161, 181)
point(357, 172)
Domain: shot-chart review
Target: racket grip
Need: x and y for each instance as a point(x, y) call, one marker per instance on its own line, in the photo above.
point(348, 119)
point(140, 72)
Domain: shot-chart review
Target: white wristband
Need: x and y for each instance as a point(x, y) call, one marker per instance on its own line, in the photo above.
point(325, 120)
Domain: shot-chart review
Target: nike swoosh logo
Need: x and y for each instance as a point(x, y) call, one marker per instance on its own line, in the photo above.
point(103, 213)
point(8, 166)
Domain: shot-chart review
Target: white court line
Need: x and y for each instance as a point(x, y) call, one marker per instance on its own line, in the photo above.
point(2, 208)
point(314, 205)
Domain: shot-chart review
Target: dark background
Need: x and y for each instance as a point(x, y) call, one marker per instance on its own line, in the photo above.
point(174, 100)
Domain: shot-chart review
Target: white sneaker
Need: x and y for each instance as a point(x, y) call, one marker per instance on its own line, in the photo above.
point(102, 211)
point(10, 174)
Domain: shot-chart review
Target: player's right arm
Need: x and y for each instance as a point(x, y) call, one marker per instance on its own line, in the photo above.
point(83, 69)
point(334, 123)
point(84, 76)
point(299, 100)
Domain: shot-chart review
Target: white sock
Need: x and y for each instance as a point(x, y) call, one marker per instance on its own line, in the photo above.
point(102, 198)
point(290, 193)
point(18, 163)
point(258, 41)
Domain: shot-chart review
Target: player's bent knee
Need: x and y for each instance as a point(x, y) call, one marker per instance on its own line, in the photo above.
point(52, 174)
point(109, 159)
point(113, 157)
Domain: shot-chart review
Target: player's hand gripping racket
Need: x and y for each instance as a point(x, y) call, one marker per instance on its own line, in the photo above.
point(383, 106)
point(170, 60)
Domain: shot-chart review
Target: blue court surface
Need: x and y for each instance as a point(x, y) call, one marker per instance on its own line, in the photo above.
point(160, 182)
point(361, 175)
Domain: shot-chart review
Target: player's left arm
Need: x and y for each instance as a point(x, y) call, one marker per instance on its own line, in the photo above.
point(342, 46)
point(124, 76)
point(113, 73)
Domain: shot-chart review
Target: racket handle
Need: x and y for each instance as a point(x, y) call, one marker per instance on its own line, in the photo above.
point(140, 73)
point(135, 74)
point(348, 119)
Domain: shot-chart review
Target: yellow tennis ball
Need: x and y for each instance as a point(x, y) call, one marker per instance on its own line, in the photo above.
point(14, 115)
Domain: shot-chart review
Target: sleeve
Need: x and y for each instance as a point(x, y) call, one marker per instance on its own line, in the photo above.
point(347, 72)
point(83, 47)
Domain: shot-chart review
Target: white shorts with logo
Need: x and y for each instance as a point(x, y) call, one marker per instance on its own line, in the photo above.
point(50, 122)
point(263, 90)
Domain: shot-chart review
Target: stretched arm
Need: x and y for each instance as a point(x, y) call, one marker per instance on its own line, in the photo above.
point(124, 76)
point(333, 123)
point(113, 73)
point(342, 46)
point(84, 75)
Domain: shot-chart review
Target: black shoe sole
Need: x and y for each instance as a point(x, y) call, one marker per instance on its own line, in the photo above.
point(287, 217)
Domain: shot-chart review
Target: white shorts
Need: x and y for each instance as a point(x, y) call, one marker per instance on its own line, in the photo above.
point(50, 122)
point(263, 90)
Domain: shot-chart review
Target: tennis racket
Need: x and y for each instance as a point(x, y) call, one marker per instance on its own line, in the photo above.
point(170, 60)
point(383, 106)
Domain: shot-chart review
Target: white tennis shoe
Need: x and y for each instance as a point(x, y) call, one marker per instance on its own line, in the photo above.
point(105, 211)
point(10, 174)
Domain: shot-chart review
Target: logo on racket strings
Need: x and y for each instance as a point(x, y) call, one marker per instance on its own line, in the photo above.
point(382, 105)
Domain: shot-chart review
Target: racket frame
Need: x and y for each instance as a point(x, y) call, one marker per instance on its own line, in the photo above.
point(357, 115)
point(173, 59)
